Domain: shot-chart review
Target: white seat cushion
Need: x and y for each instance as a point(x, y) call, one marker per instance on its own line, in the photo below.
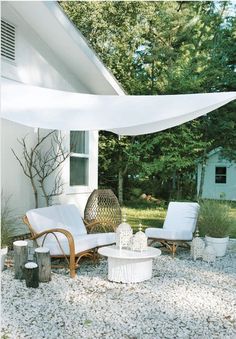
point(68, 218)
point(82, 242)
point(167, 234)
point(58, 216)
point(181, 216)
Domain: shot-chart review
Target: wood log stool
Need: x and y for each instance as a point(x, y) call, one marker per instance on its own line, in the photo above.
point(20, 257)
point(31, 275)
point(43, 260)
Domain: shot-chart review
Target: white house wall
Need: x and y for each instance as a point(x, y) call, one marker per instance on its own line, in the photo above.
point(211, 190)
point(38, 65)
point(14, 183)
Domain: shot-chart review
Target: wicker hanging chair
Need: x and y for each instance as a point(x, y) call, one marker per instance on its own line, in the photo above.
point(103, 206)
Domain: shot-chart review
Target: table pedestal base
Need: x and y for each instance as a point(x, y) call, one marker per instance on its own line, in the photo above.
point(129, 271)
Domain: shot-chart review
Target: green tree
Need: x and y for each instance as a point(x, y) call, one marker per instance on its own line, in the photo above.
point(163, 48)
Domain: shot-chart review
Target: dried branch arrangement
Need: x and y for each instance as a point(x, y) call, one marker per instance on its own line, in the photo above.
point(41, 161)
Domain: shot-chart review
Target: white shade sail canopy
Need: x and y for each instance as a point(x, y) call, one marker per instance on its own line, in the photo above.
point(125, 115)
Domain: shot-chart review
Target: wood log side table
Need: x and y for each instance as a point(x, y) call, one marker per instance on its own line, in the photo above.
point(128, 266)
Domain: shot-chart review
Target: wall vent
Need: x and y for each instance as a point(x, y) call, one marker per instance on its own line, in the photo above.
point(8, 37)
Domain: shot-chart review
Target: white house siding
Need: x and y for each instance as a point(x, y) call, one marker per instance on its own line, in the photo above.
point(211, 190)
point(37, 64)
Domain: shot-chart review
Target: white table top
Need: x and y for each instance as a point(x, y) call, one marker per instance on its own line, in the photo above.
point(114, 252)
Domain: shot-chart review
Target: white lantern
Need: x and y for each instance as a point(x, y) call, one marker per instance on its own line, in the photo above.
point(123, 234)
point(139, 241)
point(197, 247)
point(209, 254)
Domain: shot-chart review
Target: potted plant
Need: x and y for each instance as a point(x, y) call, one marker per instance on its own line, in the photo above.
point(215, 223)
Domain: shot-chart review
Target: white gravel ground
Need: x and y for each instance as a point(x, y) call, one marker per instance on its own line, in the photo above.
point(184, 299)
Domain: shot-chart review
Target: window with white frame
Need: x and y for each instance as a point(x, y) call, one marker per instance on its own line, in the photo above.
point(220, 175)
point(79, 158)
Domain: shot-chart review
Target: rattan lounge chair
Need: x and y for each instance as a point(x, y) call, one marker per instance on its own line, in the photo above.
point(178, 228)
point(61, 229)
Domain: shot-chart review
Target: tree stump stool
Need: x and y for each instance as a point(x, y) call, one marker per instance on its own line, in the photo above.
point(20, 257)
point(43, 260)
point(31, 275)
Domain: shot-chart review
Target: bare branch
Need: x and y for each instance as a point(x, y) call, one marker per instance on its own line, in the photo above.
point(21, 164)
point(42, 162)
point(27, 167)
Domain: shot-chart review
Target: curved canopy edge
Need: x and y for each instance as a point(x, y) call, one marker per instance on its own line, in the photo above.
point(125, 115)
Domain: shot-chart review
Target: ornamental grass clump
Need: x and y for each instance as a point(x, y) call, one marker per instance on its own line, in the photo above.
point(8, 222)
point(214, 219)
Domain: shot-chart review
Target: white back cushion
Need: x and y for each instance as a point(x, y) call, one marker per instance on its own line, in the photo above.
point(58, 216)
point(181, 216)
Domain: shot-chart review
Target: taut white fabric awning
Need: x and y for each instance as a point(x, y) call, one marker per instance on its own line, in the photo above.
point(125, 115)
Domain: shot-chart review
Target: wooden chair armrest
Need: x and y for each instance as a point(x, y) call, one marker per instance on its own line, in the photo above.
point(68, 235)
point(53, 230)
point(71, 242)
point(91, 226)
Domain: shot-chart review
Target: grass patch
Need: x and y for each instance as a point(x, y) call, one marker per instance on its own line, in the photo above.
point(149, 217)
point(232, 231)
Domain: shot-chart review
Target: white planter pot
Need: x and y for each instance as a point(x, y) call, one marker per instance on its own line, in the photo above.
point(3, 256)
point(219, 244)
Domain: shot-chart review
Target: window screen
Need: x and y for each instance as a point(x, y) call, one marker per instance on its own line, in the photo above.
point(79, 142)
point(78, 171)
point(79, 159)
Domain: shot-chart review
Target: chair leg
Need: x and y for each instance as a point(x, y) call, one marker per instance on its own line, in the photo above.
point(72, 273)
point(174, 248)
point(95, 256)
point(170, 245)
point(72, 265)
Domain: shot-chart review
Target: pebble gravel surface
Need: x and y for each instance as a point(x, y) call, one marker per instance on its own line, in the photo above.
point(184, 299)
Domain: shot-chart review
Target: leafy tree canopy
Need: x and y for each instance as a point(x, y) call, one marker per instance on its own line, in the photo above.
point(163, 47)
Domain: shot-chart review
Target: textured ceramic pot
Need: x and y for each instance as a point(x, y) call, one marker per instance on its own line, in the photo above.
point(219, 244)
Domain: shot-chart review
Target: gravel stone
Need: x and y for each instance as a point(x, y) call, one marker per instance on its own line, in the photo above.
point(184, 299)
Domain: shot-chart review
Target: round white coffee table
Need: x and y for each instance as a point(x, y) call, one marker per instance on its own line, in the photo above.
point(129, 266)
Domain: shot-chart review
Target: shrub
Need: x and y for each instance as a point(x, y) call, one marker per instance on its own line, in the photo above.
point(214, 218)
point(8, 222)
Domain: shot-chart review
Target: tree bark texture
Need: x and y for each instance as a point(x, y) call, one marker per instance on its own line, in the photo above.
point(31, 275)
point(36, 199)
point(120, 187)
point(44, 263)
point(20, 258)
point(121, 176)
point(202, 179)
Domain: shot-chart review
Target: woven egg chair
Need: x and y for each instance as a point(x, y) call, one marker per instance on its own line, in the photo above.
point(103, 207)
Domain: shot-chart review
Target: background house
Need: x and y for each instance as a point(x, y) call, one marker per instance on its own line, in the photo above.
point(41, 47)
point(220, 177)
